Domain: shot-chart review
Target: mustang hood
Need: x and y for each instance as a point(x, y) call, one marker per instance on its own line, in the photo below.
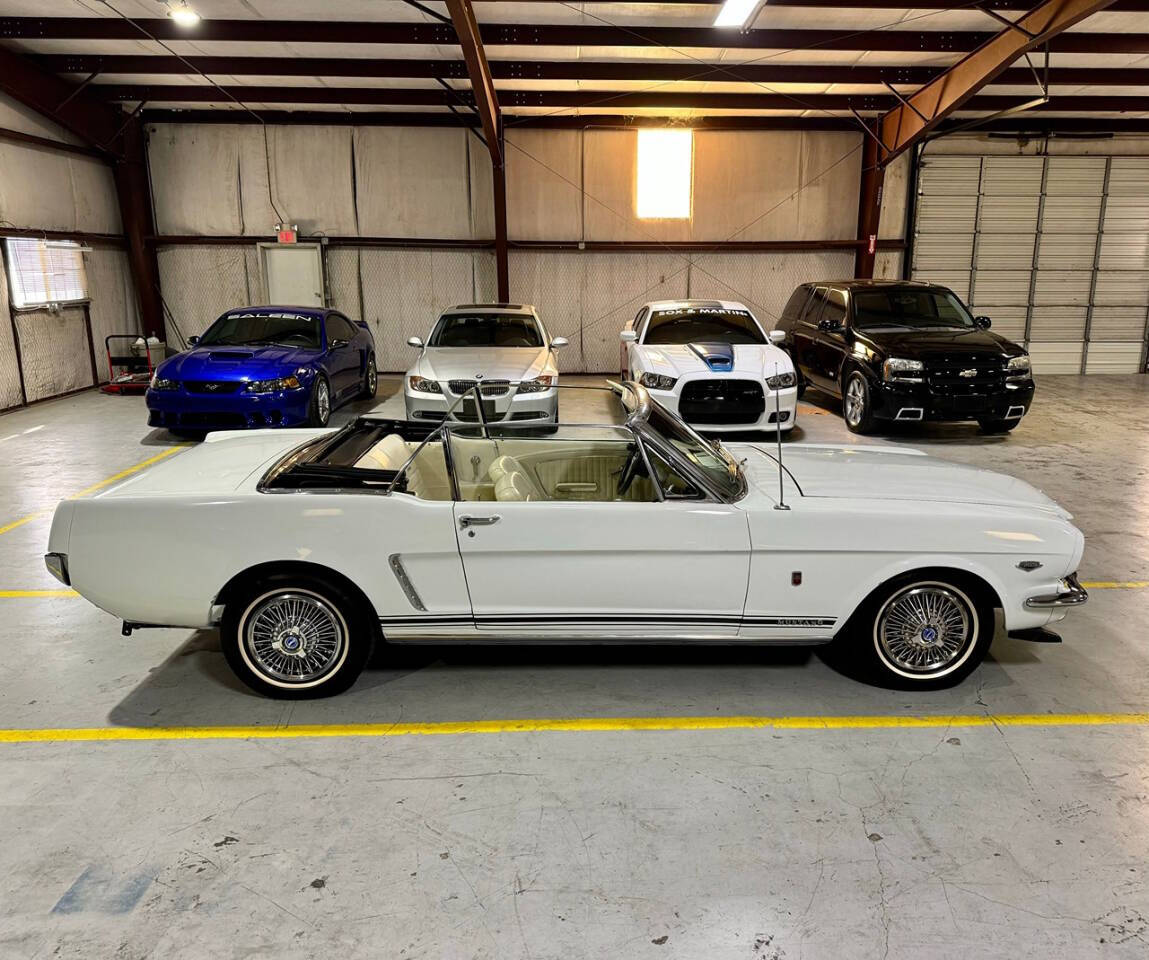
point(217, 467)
point(750, 360)
point(877, 473)
point(491, 363)
point(256, 362)
point(971, 345)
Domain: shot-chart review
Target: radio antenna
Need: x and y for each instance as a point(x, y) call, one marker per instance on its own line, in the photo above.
point(781, 504)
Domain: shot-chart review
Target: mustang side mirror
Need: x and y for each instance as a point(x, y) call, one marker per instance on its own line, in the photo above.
point(415, 342)
point(628, 336)
point(559, 342)
point(777, 336)
point(982, 323)
point(192, 341)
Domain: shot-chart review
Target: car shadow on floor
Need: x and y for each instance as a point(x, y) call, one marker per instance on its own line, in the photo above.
point(962, 432)
point(195, 686)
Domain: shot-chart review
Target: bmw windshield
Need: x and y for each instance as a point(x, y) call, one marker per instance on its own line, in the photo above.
point(486, 330)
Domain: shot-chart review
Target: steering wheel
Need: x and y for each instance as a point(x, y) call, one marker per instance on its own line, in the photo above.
point(629, 470)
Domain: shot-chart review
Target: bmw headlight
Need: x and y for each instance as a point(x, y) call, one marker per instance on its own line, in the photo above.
point(162, 383)
point(1017, 368)
point(781, 381)
point(423, 385)
point(903, 371)
point(656, 381)
point(537, 385)
point(273, 386)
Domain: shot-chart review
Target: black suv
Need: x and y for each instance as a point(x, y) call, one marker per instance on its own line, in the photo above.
point(903, 350)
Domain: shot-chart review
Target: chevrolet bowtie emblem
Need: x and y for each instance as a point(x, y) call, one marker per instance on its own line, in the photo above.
point(971, 372)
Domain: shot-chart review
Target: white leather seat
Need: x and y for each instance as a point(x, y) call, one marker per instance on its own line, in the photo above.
point(390, 453)
point(427, 474)
point(512, 482)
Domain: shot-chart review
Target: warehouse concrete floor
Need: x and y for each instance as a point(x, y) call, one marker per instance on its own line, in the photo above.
point(983, 836)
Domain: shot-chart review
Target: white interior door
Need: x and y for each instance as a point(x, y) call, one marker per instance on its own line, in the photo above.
point(294, 274)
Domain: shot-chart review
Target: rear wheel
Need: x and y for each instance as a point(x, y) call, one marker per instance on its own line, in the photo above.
point(295, 637)
point(370, 380)
point(856, 406)
point(925, 630)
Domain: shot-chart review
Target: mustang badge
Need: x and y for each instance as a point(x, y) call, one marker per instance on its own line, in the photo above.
point(211, 387)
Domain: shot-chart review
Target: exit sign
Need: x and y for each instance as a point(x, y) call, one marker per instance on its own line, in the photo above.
point(286, 234)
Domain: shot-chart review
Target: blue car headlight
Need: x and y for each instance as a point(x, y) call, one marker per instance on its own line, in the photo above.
point(162, 383)
point(273, 386)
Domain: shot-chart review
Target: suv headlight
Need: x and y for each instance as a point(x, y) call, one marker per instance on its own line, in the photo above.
point(1017, 368)
point(162, 383)
point(273, 386)
point(781, 381)
point(423, 385)
point(903, 371)
point(656, 381)
point(537, 385)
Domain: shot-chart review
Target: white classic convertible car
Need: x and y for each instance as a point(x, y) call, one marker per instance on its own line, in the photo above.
point(309, 547)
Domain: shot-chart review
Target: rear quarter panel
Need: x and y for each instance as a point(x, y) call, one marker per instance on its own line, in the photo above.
point(194, 546)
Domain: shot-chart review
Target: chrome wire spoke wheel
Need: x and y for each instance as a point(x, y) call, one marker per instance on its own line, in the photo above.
point(855, 401)
point(926, 630)
point(293, 637)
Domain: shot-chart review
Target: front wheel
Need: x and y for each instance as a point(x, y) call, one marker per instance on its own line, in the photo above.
point(998, 426)
point(920, 632)
point(319, 409)
point(856, 407)
point(296, 637)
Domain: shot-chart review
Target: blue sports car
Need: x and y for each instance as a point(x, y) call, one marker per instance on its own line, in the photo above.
point(264, 367)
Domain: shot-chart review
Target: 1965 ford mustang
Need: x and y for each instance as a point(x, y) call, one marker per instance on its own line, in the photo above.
point(309, 547)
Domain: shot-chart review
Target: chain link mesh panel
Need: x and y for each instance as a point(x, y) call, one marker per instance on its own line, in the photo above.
point(10, 395)
point(113, 307)
point(764, 282)
point(54, 348)
point(201, 282)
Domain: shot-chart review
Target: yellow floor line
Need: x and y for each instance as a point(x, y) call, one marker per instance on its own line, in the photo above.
point(98, 486)
point(21, 594)
point(573, 725)
point(1115, 584)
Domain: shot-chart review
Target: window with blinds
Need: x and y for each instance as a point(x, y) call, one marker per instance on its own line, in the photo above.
point(42, 272)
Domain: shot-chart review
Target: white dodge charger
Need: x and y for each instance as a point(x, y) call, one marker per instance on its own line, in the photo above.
point(501, 351)
point(712, 363)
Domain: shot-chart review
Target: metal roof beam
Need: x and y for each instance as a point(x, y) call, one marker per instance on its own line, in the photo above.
point(527, 35)
point(911, 120)
point(558, 70)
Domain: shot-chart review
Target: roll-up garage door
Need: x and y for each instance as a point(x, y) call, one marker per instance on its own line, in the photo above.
point(1054, 249)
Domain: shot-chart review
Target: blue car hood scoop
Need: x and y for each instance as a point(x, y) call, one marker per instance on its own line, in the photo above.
point(719, 357)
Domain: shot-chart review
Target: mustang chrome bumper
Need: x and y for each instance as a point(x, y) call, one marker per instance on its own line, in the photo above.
point(1073, 594)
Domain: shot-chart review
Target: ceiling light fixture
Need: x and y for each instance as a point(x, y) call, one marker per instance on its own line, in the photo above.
point(184, 15)
point(736, 13)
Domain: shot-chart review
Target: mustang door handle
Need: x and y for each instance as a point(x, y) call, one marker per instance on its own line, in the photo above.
point(468, 521)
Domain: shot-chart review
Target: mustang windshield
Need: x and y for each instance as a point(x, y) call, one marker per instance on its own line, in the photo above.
point(720, 468)
point(486, 330)
point(912, 308)
point(700, 325)
point(290, 329)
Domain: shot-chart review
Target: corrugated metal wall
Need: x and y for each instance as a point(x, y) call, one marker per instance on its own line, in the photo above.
point(562, 186)
point(1054, 248)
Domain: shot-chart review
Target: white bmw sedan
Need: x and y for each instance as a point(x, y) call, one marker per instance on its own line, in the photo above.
point(309, 547)
point(500, 348)
point(711, 362)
